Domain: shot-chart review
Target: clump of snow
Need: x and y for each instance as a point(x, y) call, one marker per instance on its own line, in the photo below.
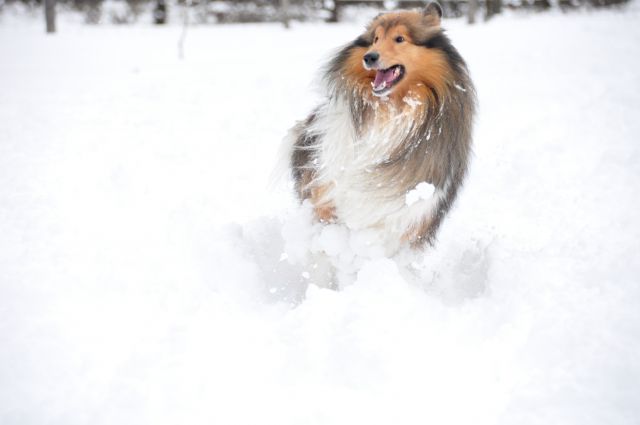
point(422, 191)
point(297, 232)
point(459, 87)
point(330, 254)
point(411, 100)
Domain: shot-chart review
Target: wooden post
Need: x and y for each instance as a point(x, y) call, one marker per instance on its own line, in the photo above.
point(50, 15)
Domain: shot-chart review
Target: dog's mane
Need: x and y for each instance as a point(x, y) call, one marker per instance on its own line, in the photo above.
point(436, 146)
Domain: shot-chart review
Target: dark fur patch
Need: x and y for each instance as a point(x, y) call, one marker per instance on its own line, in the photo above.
point(441, 42)
point(338, 62)
point(303, 155)
point(362, 42)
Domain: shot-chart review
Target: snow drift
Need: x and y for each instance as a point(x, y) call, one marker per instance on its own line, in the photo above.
point(146, 275)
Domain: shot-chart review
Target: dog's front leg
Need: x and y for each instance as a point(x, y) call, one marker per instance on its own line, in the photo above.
point(323, 207)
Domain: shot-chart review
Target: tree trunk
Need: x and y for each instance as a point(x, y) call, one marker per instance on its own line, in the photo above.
point(50, 15)
point(471, 13)
point(284, 10)
point(494, 7)
point(334, 12)
point(160, 12)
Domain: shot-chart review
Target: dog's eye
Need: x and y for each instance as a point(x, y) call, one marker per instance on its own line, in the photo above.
point(375, 40)
point(399, 39)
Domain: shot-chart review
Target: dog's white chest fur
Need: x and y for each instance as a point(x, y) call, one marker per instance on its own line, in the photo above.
point(348, 163)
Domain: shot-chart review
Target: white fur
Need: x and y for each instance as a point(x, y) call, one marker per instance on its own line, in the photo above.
point(346, 161)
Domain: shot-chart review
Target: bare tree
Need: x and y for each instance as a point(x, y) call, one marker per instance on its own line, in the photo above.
point(50, 15)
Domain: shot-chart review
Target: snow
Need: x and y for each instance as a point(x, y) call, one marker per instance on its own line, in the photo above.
point(142, 275)
point(422, 191)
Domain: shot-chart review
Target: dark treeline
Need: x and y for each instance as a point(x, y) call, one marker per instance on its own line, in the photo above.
point(211, 11)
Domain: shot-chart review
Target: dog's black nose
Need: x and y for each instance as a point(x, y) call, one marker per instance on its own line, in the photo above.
point(371, 58)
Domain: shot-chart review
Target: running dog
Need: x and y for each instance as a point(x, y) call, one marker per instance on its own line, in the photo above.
point(389, 146)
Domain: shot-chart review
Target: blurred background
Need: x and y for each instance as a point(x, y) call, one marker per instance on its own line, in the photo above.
point(241, 11)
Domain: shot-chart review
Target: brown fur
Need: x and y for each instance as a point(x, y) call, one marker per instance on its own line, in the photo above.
point(324, 209)
point(437, 147)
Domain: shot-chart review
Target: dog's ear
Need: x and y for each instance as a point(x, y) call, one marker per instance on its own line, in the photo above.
point(433, 12)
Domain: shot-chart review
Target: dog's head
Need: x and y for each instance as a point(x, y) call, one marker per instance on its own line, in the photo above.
point(401, 52)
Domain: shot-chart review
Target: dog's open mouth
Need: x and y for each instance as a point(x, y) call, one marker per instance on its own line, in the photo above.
point(387, 78)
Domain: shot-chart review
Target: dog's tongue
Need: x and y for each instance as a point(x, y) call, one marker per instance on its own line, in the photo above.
point(383, 78)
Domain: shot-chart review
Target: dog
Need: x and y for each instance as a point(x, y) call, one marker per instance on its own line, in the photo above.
point(388, 148)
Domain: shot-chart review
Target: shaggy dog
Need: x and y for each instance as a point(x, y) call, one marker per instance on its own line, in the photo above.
point(388, 148)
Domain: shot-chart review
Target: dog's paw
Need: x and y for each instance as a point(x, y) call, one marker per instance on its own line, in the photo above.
point(326, 213)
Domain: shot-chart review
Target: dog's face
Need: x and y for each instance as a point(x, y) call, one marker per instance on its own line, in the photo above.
point(387, 57)
point(395, 56)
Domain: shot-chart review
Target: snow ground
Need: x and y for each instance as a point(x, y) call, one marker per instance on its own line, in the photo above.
point(140, 280)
